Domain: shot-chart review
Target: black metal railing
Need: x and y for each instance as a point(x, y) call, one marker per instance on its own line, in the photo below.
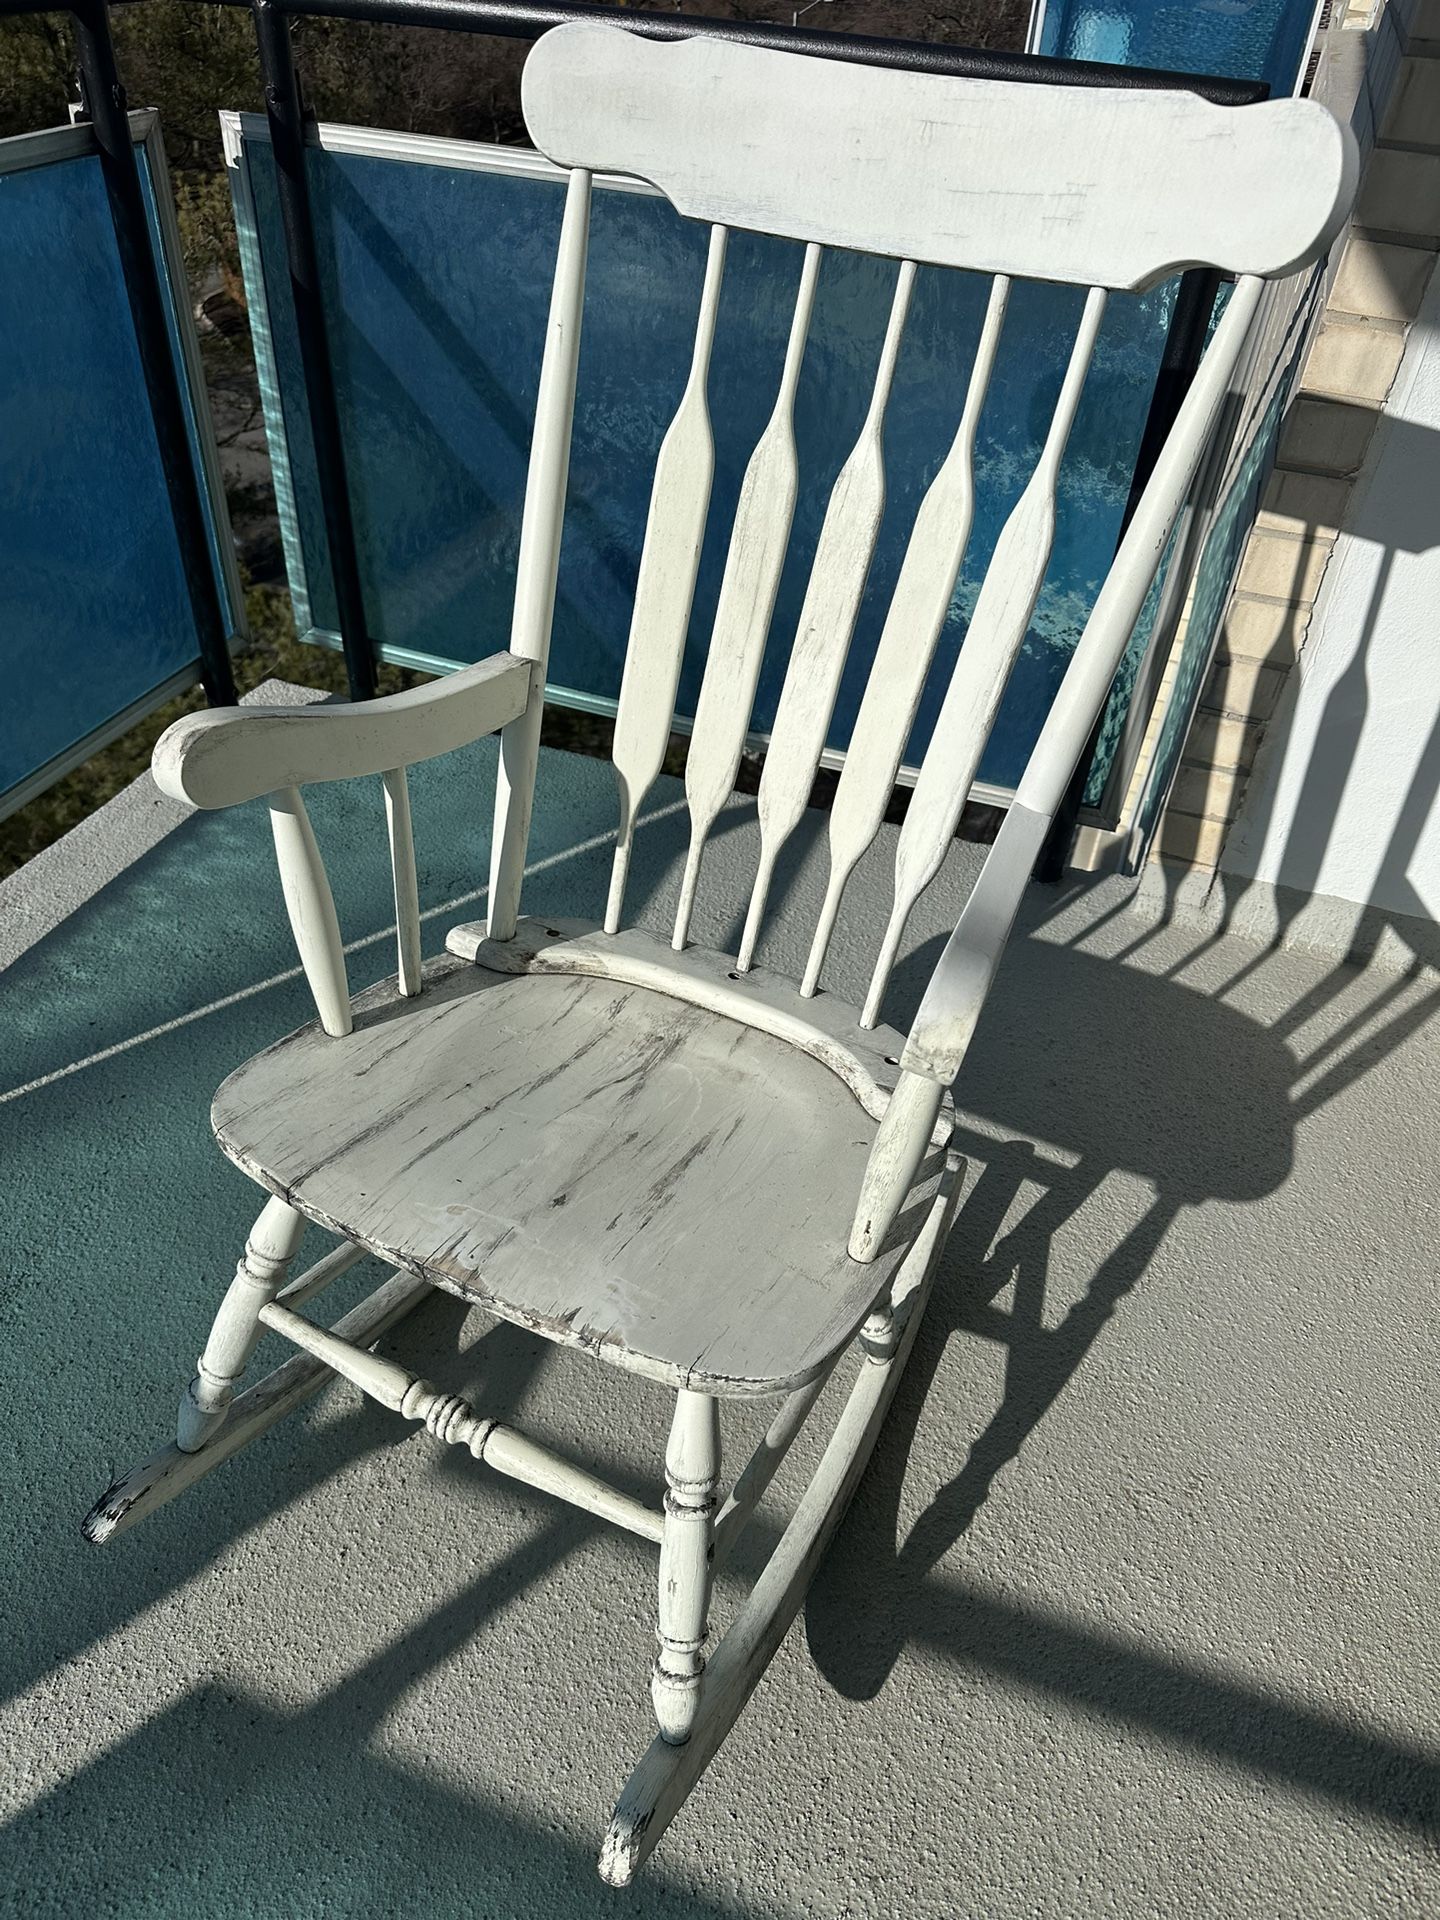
point(516, 19)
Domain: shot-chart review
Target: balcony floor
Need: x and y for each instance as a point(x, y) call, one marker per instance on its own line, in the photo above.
point(1133, 1616)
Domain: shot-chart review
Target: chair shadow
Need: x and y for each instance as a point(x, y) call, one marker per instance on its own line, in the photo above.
point(1101, 1080)
point(1104, 1092)
point(1383, 525)
point(268, 1812)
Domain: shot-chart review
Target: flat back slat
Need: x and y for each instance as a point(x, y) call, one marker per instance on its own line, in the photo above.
point(833, 594)
point(953, 1000)
point(1048, 183)
point(758, 544)
point(665, 589)
point(912, 626)
point(992, 641)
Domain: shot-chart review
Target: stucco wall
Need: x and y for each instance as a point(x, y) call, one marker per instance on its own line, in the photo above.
point(1342, 802)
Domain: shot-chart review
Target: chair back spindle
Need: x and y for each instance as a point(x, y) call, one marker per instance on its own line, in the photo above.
point(665, 588)
point(841, 567)
point(407, 886)
point(758, 544)
point(917, 612)
point(1010, 180)
point(537, 565)
point(992, 643)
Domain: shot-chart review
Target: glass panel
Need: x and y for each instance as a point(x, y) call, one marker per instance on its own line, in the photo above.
point(438, 280)
point(1116, 714)
point(1239, 39)
point(94, 610)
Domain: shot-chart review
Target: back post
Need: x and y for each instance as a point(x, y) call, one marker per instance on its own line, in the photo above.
point(538, 565)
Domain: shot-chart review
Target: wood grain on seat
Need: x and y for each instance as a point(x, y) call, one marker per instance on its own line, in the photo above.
point(600, 1162)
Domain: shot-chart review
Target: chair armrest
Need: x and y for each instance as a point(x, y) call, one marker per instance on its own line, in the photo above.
point(960, 982)
point(942, 1028)
point(220, 758)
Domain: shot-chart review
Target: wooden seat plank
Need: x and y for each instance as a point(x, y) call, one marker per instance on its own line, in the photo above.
point(663, 1186)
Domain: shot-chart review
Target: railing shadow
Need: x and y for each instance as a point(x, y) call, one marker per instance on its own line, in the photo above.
point(1393, 521)
point(304, 1812)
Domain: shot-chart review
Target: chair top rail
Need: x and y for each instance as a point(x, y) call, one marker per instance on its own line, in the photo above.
point(1038, 183)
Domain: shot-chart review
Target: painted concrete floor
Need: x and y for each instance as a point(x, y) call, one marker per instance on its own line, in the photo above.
point(1133, 1615)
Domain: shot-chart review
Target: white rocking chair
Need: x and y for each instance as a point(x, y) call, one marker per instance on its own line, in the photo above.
point(551, 1120)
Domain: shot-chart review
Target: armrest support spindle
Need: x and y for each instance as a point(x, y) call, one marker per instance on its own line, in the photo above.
point(311, 907)
point(219, 759)
point(407, 887)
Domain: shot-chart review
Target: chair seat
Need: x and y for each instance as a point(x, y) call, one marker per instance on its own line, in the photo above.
point(605, 1164)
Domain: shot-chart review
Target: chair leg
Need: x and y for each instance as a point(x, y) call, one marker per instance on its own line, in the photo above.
point(687, 1550)
point(235, 1333)
point(658, 1787)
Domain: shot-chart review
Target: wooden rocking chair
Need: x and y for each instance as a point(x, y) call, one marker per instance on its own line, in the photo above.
point(550, 1120)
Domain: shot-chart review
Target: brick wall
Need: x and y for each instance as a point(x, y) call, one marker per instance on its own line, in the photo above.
point(1383, 267)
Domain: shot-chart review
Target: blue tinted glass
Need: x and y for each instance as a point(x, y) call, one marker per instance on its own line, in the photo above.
point(94, 612)
point(438, 281)
point(1239, 39)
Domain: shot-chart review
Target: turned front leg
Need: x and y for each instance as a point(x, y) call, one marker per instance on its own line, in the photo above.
point(236, 1331)
point(687, 1546)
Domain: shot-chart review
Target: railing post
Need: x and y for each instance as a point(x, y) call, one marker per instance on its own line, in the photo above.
point(287, 141)
point(105, 108)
